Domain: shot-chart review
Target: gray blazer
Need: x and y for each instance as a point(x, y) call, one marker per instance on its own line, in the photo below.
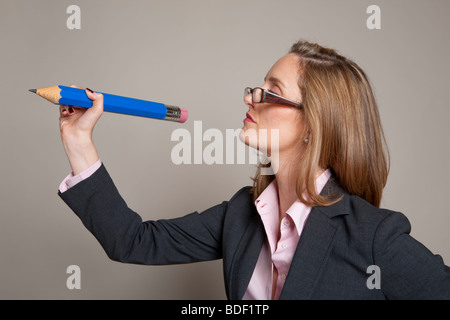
point(335, 250)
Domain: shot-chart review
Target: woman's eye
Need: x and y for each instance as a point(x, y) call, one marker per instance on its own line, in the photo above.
point(274, 92)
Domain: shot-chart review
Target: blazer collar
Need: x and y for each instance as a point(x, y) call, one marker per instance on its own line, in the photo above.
point(333, 189)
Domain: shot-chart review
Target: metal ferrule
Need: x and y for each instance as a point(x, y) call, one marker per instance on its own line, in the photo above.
point(173, 113)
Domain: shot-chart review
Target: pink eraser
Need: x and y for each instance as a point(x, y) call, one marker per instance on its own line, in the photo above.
point(184, 115)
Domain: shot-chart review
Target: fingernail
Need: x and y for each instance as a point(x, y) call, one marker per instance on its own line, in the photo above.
point(90, 90)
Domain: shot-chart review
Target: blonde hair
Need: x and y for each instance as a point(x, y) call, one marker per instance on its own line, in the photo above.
point(345, 132)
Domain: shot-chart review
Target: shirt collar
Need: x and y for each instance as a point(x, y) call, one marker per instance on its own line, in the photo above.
point(268, 207)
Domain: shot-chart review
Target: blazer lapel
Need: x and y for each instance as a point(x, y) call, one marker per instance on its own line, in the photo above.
point(314, 246)
point(311, 254)
point(247, 254)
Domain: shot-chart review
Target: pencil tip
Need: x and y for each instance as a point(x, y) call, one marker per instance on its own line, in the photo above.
point(32, 90)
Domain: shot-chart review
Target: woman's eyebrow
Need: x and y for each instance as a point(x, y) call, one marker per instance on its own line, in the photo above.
point(274, 80)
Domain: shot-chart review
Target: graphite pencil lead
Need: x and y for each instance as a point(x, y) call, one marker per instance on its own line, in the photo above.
point(32, 90)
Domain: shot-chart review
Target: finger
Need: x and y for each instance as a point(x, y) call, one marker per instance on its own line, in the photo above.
point(68, 110)
point(63, 109)
point(97, 100)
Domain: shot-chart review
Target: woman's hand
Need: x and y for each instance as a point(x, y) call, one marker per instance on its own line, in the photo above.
point(77, 125)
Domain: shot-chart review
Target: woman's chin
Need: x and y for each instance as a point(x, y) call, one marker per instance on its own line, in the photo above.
point(248, 137)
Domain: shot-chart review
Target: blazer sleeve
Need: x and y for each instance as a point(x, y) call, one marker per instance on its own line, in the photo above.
point(126, 238)
point(408, 269)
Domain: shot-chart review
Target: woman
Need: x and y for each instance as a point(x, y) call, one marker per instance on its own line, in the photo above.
point(312, 230)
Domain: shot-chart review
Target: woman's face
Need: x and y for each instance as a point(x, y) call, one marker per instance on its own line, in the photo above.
point(284, 125)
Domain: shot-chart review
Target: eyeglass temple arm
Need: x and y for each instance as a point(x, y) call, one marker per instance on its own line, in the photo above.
point(269, 97)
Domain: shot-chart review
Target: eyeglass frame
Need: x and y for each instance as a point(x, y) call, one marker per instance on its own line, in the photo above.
point(271, 97)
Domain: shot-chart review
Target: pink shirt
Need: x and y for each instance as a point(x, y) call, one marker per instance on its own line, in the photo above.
point(281, 242)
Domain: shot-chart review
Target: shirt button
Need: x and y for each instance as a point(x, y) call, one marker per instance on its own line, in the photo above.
point(284, 245)
point(283, 276)
point(286, 222)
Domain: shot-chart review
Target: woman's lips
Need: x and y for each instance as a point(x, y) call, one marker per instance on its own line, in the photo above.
point(249, 118)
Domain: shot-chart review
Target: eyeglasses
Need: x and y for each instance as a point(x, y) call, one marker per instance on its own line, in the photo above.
point(260, 95)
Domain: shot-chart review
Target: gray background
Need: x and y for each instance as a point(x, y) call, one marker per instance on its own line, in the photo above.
point(199, 55)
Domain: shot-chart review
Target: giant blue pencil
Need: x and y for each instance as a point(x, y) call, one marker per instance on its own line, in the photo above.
point(64, 95)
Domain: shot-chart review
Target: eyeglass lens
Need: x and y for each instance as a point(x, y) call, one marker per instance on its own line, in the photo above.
point(256, 94)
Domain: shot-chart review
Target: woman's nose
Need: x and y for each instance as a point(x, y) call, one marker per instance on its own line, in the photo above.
point(248, 101)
